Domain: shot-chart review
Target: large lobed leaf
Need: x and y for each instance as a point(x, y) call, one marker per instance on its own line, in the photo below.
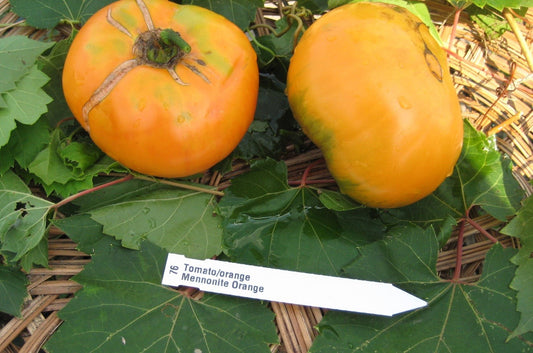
point(522, 227)
point(18, 54)
point(12, 289)
point(21, 97)
point(264, 136)
point(474, 317)
point(25, 142)
point(23, 223)
point(66, 167)
point(25, 104)
point(48, 13)
point(178, 220)
point(52, 65)
point(501, 4)
point(124, 308)
point(268, 223)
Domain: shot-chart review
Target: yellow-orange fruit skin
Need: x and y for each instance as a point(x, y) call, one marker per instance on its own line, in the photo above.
point(371, 88)
point(149, 122)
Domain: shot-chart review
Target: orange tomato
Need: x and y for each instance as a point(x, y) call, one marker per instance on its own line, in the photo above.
point(169, 118)
point(371, 88)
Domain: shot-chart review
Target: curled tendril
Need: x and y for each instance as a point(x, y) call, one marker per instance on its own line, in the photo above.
point(293, 14)
point(501, 91)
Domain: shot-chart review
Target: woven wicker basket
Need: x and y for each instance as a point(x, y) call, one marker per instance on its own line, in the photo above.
point(481, 69)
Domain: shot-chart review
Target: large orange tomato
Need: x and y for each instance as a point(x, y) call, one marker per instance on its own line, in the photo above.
point(371, 87)
point(165, 89)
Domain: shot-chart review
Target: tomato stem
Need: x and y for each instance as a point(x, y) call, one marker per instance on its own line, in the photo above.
point(161, 48)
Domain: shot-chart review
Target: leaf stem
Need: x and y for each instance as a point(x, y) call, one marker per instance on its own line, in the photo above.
point(307, 170)
point(64, 120)
point(6, 26)
point(311, 182)
point(181, 185)
point(454, 27)
point(481, 230)
point(88, 191)
point(459, 256)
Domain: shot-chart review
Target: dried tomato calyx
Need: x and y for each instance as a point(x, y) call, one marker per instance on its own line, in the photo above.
point(160, 47)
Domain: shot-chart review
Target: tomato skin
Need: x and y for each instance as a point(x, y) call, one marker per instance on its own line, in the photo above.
point(148, 121)
point(372, 89)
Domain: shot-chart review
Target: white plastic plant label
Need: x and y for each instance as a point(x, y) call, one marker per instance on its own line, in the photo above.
point(288, 286)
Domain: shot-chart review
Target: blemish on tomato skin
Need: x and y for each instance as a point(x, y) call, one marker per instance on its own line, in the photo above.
point(433, 65)
point(183, 117)
point(141, 104)
point(404, 103)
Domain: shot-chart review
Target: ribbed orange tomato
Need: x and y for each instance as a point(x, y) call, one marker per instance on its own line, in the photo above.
point(371, 88)
point(165, 89)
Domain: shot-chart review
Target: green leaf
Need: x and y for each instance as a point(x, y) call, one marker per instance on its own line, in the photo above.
point(180, 221)
point(480, 315)
point(124, 308)
point(52, 65)
point(48, 165)
point(523, 284)
point(79, 156)
point(263, 138)
point(336, 201)
point(66, 167)
point(493, 24)
point(12, 289)
point(25, 142)
point(48, 13)
point(275, 50)
point(486, 176)
point(23, 221)
point(482, 177)
point(315, 6)
point(25, 103)
point(122, 192)
point(83, 230)
point(522, 227)
point(104, 165)
point(268, 223)
point(501, 4)
point(17, 55)
point(36, 256)
point(240, 12)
